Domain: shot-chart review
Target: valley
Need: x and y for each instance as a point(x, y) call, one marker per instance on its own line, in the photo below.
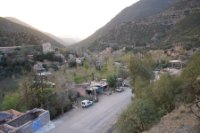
point(139, 73)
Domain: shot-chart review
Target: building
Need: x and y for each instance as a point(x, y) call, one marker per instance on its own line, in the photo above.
point(46, 47)
point(178, 64)
point(97, 87)
point(29, 122)
point(5, 116)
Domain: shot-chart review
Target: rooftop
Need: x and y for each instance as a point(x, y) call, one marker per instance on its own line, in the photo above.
point(4, 117)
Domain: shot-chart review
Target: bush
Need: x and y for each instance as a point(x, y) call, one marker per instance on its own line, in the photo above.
point(112, 80)
point(13, 101)
point(138, 117)
point(163, 92)
point(192, 71)
point(139, 68)
point(151, 102)
point(140, 86)
point(48, 56)
point(54, 67)
point(78, 79)
point(122, 73)
point(14, 66)
point(152, 99)
point(86, 65)
point(58, 104)
point(191, 83)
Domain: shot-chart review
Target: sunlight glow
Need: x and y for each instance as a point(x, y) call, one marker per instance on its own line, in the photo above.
point(64, 18)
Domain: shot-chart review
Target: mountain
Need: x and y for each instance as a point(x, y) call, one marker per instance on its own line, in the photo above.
point(13, 32)
point(70, 41)
point(18, 21)
point(139, 10)
point(58, 39)
point(150, 24)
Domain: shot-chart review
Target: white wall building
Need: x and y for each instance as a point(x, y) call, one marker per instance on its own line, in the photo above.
point(46, 47)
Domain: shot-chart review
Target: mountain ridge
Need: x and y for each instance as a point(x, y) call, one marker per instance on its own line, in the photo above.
point(158, 30)
point(19, 33)
point(139, 10)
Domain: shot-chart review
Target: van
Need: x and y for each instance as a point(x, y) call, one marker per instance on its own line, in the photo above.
point(86, 103)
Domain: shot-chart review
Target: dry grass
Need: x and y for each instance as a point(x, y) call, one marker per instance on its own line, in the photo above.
point(180, 120)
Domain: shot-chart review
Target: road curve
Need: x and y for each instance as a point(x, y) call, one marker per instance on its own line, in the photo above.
point(95, 119)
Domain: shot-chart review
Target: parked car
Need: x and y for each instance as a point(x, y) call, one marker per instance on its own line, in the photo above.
point(125, 83)
point(119, 89)
point(104, 82)
point(86, 103)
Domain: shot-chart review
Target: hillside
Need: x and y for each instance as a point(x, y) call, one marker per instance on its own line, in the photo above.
point(60, 40)
point(18, 21)
point(142, 9)
point(178, 22)
point(70, 41)
point(180, 120)
point(17, 34)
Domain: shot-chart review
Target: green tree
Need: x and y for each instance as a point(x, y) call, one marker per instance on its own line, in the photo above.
point(190, 77)
point(141, 74)
point(192, 71)
point(164, 92)
point(138, 117)
point(86, 65)
point(138, 68)
point(112, 80)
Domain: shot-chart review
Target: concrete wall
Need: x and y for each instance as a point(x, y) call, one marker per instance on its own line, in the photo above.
point(36, 124)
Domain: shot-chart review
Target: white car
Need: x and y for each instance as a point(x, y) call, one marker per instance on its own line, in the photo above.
point(86, 103)
point(104, 83)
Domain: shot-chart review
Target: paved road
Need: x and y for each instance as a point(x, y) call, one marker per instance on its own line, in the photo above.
point(95, 119)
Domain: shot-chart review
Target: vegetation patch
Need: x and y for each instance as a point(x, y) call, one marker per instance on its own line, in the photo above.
point(154, 100)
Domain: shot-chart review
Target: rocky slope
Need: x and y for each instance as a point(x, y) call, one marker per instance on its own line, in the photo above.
point(141, 9)
point(174, 24)
point(180, 120)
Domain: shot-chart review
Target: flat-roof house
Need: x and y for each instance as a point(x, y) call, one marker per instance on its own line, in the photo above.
point(29, 122)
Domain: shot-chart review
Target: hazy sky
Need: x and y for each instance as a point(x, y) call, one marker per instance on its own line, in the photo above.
point(64, 18)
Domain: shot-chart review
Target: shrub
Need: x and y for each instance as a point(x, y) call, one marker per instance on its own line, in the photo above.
point(78, 79)
point(123, 73)
point(192, 71)
point(190, 85)
point(151, 101)
point(140, 86)
point(139, 68)
point(138, 117)
point(58, 104)
point(164, 92)
point(54, 67)
point(150, 104)
point(86, 65)
point(13, 101)
point(112, 80)
point(50, 56)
